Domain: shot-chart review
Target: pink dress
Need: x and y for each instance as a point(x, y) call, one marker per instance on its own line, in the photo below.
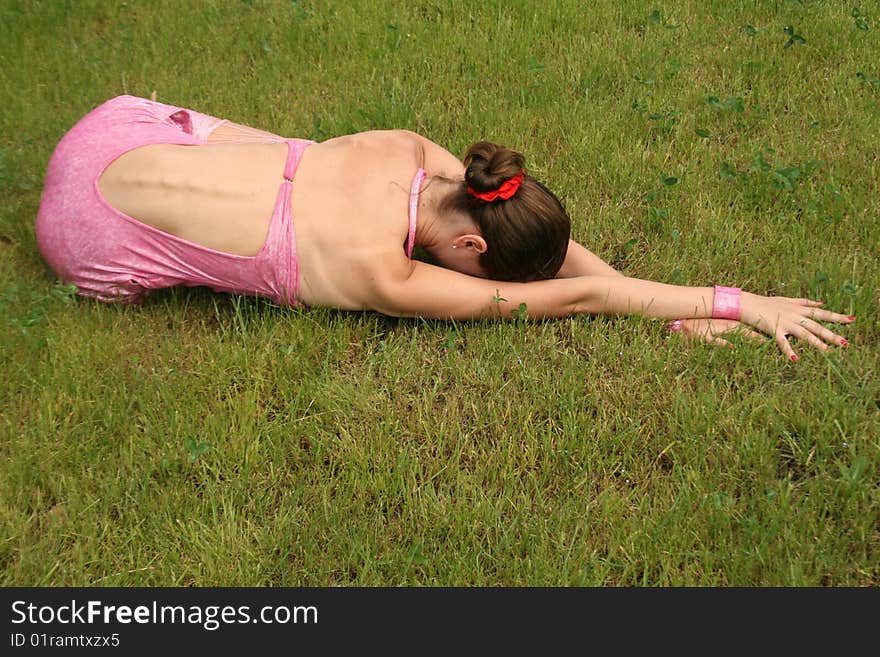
point(111, 256)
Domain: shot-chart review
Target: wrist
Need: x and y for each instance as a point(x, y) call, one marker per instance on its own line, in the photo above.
point(726, 303)
point(746, 309)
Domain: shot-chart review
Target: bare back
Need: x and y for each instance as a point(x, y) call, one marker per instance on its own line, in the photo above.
point(350, 201)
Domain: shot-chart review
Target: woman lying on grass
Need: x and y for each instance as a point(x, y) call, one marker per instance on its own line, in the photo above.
point(140, 195)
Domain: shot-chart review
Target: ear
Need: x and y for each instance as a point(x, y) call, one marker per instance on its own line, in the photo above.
point(471, 241)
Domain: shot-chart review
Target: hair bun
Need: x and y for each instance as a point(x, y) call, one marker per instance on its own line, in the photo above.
point(488, 165)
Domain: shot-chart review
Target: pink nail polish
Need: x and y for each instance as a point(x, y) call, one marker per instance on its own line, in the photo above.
point(844, 343)
point(794, 358)
point(851, 318)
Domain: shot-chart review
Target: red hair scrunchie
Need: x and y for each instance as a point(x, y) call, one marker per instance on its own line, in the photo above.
point(505, 191)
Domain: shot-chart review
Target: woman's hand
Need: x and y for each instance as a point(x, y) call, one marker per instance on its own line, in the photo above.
point(711, 330)
point(781, 317)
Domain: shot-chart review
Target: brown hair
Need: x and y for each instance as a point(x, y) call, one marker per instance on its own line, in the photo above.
point(526, 235)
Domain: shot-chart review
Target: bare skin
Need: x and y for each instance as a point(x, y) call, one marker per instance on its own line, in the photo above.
point(350, 202)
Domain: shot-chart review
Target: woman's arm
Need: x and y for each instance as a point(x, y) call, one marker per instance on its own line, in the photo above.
point(423, 290)
point(435, 292)
point(581, 262)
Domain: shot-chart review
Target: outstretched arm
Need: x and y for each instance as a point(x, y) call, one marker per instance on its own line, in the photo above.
point(436, 292)
point(581, 262)
point(424, 290)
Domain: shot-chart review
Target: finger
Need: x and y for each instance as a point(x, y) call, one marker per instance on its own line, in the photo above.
point(803, 301)
point(752, 335)
point(785, 347)
point(828, 316)
point(719, 326)
point(825, 334)
point(802, 333)
point(719, 342)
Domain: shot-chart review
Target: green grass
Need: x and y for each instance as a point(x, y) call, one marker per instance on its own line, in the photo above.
point(203, 439)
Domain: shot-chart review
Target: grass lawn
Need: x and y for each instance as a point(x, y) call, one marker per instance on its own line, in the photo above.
point(204, 439)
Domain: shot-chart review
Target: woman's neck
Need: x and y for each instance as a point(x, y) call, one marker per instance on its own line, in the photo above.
point(435, 225)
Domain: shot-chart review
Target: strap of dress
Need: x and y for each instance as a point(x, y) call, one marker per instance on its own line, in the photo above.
point(295, 147)
point(414, 210)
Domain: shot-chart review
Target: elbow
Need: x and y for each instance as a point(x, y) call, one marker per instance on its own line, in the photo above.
point(591, 296)
point(387, 293)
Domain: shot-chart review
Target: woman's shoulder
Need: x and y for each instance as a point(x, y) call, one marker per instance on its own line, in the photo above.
point(403, 144)
point(435, 159)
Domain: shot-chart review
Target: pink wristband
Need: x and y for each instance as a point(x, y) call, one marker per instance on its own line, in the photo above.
point(726, 303)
